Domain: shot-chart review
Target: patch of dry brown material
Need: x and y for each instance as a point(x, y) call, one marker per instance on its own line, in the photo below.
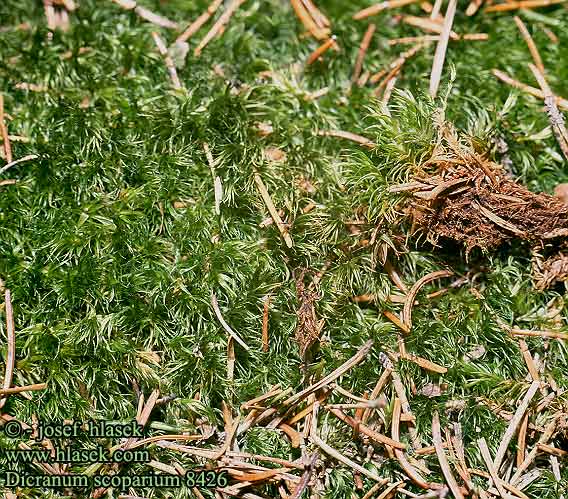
point(461, 195)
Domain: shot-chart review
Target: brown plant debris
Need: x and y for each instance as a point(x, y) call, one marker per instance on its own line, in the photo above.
point(471, 200)
point(308, 327)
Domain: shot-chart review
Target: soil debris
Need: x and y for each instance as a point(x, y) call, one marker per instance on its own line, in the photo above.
point(308, 328)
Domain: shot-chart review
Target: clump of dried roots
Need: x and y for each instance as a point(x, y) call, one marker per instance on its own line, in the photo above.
point(461, 195)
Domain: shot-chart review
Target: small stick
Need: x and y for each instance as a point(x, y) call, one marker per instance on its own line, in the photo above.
point(4, 133)
point(346, 366)
point(322, 49)
point(308, 21)
point(556, 119)
point(11, 353)
point(473, 7)
point(17, 161)
point(379, 7)
point(347, 135)
point(440, 55)
point(272, 210)
point(265, 345)
point(167, 59)
point(20, 389)
point(411, 296)
point(536, 92)
point(195, 26)
point(365, 42)
point(443, 460)
point(530, 43)
point(226, 326)
point(527, 4)
point(218, 26)
point(492, 468)
point(514, 423)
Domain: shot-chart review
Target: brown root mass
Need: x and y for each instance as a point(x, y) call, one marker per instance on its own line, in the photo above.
point(471, 201)
point(459, 195)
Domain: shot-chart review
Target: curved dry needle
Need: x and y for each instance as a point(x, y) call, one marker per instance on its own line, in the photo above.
point(226, 326)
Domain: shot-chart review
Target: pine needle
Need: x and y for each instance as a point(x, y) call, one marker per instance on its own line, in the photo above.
point(11, 337)
point(219, 25)
point(5, 136)
point(196, 25)
point(440, 54)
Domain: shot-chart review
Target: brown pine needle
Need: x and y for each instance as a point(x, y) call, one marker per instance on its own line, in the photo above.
point(20, 389)
point(528, 4)
point(322, 49)
point(320, 19)
point(543, 334)
point(4, 133)
point(396, 321)
point(530, 43)
point(473, 7)
point(266, 310)
point(395, 434)
point(544, 438)
point(536, 92)
point(424, 363)
point(411, 296)
point(522, 440)
point(379, 7)
point(440, 55)
point(346, 366)
point(146, 14)
point(218, 186)
point(442, 459)
point(17, 161)
point(273, 211)
point(308, 22)
point(11, 353)
point(365, 430)
point(428, 25)
point(515, 422)
point(230, 358)
point(554, 116)
point(381, 382)
point(218, 26)
point(491, 467)
point(365, 42)
point(349, 136)
point(196, 25)
point(167, 59)
point(226, 326)
point(345, 460)
point(529, 360)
